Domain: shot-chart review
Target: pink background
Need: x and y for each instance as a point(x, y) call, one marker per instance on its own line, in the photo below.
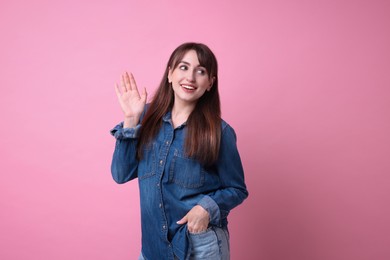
point(305, 84)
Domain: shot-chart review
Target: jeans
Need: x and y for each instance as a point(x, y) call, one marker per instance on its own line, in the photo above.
point(211, 244)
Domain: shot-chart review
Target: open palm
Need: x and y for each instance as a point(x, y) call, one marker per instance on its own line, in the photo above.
point(130, 100)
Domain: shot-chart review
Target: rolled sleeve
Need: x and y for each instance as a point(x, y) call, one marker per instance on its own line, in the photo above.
point(121, 133)
point(212, 208)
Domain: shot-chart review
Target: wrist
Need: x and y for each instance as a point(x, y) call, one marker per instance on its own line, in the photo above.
point(130, 122)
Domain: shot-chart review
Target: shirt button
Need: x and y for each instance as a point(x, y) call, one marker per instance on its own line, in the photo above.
point(158, 184)
point(164, 227)
point(167, 142)
point(160, 205)
point(161, 162)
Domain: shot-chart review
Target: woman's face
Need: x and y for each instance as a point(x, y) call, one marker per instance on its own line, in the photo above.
point(189, 79)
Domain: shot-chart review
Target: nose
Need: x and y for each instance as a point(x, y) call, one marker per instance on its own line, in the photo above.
point(191, 75)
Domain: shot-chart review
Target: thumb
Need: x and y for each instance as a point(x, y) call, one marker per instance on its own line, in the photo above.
point(144, 95)
point(183, 220)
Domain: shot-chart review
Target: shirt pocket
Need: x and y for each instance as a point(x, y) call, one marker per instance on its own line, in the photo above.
point(186, 172)
point(146, 166)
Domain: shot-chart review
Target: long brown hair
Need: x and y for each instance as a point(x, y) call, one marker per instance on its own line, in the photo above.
point(203, 135)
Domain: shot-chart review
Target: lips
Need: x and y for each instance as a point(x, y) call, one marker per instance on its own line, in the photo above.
point(188, 86)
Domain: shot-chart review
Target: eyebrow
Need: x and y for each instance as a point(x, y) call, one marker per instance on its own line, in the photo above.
point(187, 63)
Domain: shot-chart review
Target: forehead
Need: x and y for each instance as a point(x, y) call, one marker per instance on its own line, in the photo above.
point(191, 58)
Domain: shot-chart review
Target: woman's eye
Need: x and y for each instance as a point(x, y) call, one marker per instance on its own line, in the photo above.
point(201, 72)
point(183, 67)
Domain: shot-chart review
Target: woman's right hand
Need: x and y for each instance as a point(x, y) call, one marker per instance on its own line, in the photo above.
point(130, 100)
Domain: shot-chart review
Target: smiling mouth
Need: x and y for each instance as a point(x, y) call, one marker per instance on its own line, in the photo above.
point(189, 87)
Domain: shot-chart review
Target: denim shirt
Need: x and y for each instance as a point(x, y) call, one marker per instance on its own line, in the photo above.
point(171, 183)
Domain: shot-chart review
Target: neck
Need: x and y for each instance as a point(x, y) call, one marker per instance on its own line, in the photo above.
point(181, 112)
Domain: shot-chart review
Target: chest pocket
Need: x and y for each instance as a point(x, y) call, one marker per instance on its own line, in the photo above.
point(146, 167)
point(186, 172)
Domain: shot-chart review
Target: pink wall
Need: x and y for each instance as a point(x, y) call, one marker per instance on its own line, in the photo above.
point(306, 85)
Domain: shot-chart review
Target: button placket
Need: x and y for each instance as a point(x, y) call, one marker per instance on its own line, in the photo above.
point(161, 163)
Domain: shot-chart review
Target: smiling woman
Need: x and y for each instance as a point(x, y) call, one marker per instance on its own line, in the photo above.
point(184, 156)
point(189, 81)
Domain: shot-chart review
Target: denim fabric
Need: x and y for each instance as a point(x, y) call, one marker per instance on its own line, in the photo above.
point(141, 257)
point(171, 183)
point(212, 244)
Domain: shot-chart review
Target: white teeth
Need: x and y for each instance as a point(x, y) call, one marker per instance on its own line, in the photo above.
point(188, 87)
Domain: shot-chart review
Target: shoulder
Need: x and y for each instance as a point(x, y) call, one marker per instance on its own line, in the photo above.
point(227, 129)
point(225, 125)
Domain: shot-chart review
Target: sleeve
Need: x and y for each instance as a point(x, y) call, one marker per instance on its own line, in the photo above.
point(124, 163)
point(233, 190)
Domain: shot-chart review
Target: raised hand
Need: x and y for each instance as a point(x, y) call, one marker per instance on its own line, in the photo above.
point(130, 100)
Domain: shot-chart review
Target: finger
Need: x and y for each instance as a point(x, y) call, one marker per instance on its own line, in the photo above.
point(129, 86)
point(124, 89)
point(132, 82)
point(118, 93)
point(182, 221)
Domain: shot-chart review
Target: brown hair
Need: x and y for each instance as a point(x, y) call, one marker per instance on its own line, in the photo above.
point(203, 135)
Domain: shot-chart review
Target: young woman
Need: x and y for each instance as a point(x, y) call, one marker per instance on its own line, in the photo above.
point(184, 156)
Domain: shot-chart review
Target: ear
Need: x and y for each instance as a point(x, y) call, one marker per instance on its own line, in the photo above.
point(169, 75)
point(211, 83)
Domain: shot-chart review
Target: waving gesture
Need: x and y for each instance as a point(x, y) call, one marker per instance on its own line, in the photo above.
point(130, 100)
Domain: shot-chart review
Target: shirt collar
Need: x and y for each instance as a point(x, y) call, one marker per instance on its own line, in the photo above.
point(168, 118)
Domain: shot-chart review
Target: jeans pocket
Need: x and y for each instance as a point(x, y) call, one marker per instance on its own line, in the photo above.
point(204, 245)
point(200, 233)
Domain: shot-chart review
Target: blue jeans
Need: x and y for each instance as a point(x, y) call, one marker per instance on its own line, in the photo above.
point(211, 244)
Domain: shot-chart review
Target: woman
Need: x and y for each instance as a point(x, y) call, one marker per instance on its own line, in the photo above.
point(185, 157)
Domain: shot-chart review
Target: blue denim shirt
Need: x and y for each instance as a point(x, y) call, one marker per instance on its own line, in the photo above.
point(171, 183)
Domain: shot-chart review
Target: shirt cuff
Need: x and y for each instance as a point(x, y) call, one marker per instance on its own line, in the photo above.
point(125, 133)
point(212, 208)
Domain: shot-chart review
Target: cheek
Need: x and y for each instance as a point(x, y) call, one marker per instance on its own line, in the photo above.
point(176, 76)
point(205, 83)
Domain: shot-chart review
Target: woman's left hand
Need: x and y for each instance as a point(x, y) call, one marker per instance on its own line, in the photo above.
point(197, 219)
